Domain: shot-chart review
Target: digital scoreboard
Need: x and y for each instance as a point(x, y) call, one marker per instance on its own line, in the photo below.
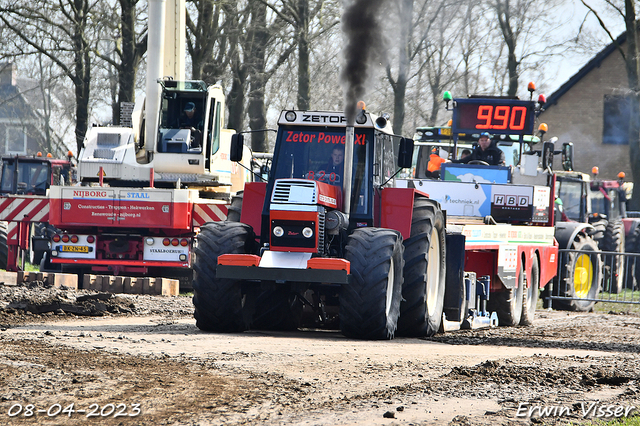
point(496, 116)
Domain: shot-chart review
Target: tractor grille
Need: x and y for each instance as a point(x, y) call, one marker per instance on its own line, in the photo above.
point(295, 192)
point(321, 248)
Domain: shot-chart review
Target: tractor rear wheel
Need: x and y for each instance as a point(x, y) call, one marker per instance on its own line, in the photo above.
point(277, 309)
point(580, 276)
point(424, 272)
point(370, 304)
point(235, 208)
point(531, 294)
point(221, 305)
point(614, 241)
point(4, 248)
point(508, 304)
point(632, 269)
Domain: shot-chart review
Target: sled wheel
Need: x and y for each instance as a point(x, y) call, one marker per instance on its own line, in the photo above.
point(508, 302)
point(424, 272)
point(531, 294)
point(370, 304)
point(221, 305)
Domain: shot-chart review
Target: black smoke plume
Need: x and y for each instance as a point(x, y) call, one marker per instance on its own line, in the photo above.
point(365, 44)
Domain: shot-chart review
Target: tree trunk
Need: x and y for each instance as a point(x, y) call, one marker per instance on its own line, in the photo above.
point(258, 40)
point(400, 88)
point(130, 57)
point(304, 89)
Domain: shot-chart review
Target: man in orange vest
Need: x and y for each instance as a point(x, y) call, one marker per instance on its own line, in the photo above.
point(435, 161)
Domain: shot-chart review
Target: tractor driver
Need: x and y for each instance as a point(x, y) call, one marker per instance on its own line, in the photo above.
point(335, 166)
point(486, 151)
point(192, 119)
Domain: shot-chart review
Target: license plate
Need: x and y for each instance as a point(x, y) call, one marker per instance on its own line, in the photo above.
point(75, 249)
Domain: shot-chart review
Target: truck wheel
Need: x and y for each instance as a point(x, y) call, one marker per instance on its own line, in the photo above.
point(580, 276)
point(4, 248)
point(508, 304)
point(531, 294)
point(424, 272)
point(614, 241)
point(277, 309)
point(221, 305)
point(370, 304)
point(235, 208)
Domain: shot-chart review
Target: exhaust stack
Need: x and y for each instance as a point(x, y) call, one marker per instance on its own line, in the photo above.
point(348, 168)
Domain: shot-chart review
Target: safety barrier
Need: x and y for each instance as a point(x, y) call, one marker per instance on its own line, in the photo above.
point(588, 276)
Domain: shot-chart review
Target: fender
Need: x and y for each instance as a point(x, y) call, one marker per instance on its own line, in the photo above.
point(397, 209)
point(566, 232)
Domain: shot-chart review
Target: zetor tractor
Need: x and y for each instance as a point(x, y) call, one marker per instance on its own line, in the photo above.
point(337, 240)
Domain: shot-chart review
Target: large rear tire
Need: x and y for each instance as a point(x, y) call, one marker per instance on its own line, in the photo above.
point(632, 269)
point(221, 305)
point(531, 294)
point(424, 272)
point(4, 248)
point(235, 208)
point(580, 276)
point(614, 241)
point(370, 304)
point(508, 302)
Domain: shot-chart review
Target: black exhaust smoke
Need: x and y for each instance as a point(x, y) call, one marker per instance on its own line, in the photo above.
point(365, 44)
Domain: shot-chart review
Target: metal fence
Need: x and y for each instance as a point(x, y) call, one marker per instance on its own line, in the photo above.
point(588, 276)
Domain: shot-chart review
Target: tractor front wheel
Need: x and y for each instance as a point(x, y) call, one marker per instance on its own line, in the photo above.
point(508, 302)
point(370, 304)
point(221, 304)
point(531, 294)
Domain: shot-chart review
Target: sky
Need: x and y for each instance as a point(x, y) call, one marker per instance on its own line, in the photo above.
point(567, 65)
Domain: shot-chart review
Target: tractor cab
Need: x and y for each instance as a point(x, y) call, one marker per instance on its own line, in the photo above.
point(33, 175)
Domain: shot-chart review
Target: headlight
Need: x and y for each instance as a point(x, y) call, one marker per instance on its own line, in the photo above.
point(290, 116)
point(278, 231)
point(307, 232)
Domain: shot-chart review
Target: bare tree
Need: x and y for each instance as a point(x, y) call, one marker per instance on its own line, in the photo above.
point(60, 31)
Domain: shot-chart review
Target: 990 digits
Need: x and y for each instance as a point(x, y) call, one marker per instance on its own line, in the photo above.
point(94, 410)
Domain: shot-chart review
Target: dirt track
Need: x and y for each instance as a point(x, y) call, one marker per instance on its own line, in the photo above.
point(154, 356)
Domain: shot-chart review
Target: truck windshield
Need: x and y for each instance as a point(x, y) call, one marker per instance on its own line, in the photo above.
point(318, 154)
point(570, 192)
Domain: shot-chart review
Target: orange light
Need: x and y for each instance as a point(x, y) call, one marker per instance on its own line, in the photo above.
point(74, 238)
point(69, 154)
point(49, 155)
point(449, 123)
point(166, 242)
point(621, 175)
point(175, 242)
point(184, 242)
point(542, 99)
point(531, 87)
point(39, 154)
point(543, 127)
point(65, 238)
point(56, 238)
point(361, 105)
point(595, 170)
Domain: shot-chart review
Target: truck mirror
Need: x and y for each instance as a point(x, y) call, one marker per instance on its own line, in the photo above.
point(405, 153)
point(547, 155)
point(567, 156)
point(237, 144)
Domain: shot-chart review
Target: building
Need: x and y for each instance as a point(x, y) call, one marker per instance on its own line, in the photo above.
point(591, 110)
point(22, 126)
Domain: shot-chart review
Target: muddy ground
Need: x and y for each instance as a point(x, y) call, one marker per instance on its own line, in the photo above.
point(66, 357)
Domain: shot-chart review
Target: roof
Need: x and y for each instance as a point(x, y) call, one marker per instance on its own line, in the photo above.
point(593, 63)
